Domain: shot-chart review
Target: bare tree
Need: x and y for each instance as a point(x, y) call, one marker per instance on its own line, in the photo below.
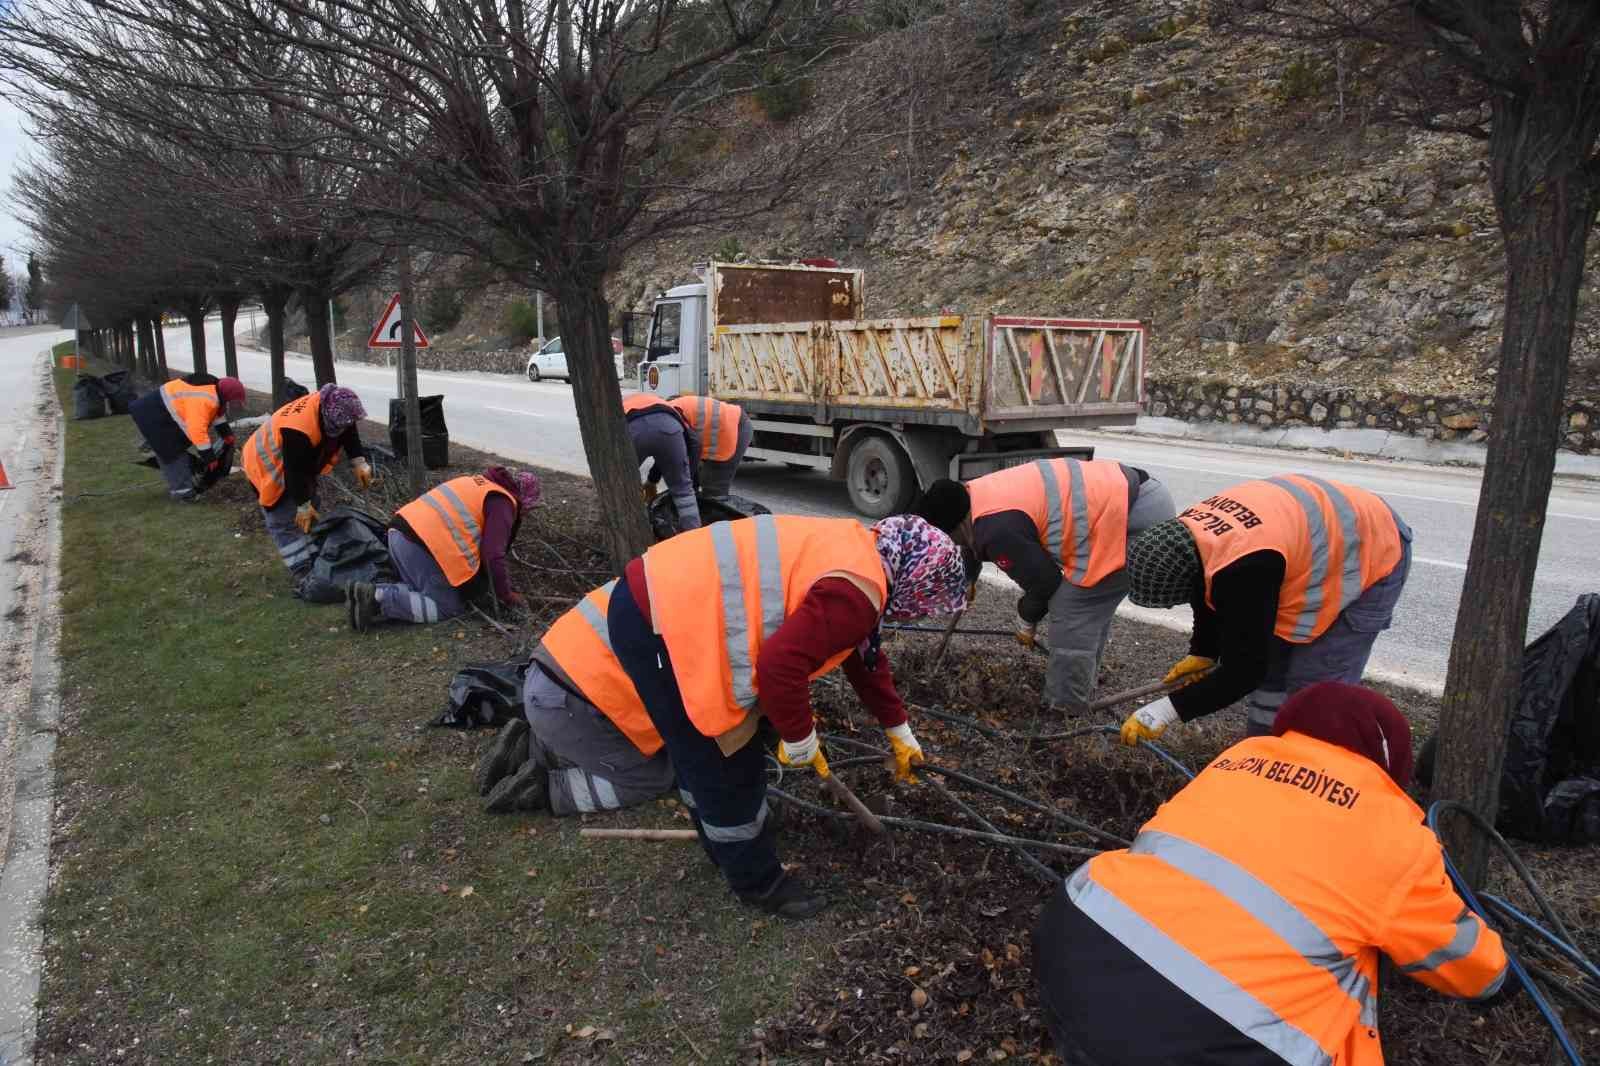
point(1524, 78)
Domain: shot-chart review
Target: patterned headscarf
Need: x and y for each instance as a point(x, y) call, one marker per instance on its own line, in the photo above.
point(528, 489)
point(926, 572)
point(341, 409)
point(1163, 565)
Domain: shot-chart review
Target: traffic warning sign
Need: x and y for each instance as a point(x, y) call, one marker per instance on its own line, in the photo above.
point(386, 334)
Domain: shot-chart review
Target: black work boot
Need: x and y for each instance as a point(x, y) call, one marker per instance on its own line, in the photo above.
point(526, 790)
point(789, 897)
point(506, 755)
point(361, 599)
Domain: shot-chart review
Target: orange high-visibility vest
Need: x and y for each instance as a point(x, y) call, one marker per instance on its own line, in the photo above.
point(196, 408)
point(1268, 886)
point(719, 592)
point(580, 643)
point(1336, 540)
point(639, 403)
point(1079, 508)
point(448, 519)
point(263, 452)
point(716, 422)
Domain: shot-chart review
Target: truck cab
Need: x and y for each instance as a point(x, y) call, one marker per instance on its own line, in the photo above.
point(675, 350)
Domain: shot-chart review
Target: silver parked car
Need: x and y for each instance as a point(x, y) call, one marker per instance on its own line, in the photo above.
point(550, 361)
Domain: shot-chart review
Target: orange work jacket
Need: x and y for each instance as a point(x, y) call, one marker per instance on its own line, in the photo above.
point(719, 592)
point(580, 643)
point(448, 519)
point(1268, 886)
point(640, 403)
point(263, 452)
point(716, 422)
point(196, 408)
point(1336, 540)
point(1079, 508)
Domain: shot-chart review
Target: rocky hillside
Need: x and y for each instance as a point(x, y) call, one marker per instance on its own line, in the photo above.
point(1127, 159)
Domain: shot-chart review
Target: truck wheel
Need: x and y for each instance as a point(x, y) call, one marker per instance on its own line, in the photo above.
point(879, 478)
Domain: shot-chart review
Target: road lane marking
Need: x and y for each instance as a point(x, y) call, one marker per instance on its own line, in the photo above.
point(1438, 562)
point(515, 411)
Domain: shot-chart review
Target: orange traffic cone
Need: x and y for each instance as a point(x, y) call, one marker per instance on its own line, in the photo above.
point(5, 482)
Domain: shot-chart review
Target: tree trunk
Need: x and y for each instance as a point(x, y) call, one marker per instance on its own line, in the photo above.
point(1546, 208)
point(161, 345)
point(586, 338)
point(415, 470)
point(194, 309)
point(228, 306)
point(314, 301)
point(147, 350)
point(273, 301)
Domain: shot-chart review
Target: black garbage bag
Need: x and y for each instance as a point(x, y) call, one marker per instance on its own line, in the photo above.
point(664, 513)
point(1550, 783)
point(119, 390)
point(352, 546)
point(88, 398)
point(292, 390)
point(207, 472)
point(484, 696)
point(435, 435)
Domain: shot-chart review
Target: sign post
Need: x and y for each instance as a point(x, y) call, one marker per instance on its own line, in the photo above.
point(396, 329)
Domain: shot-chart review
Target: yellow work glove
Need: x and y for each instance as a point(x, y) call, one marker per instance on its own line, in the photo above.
point(907, 752)
point(363, 472)
point(648, 490)
point(807, 752)
point(1148, 722)
point(1188, 667)
point(1027, 633)
point(972, 592)
point(305, 516)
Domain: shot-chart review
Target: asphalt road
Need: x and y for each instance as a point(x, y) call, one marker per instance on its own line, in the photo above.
point(535, 423)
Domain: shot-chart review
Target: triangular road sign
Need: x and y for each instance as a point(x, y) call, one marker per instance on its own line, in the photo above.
point(386, 334)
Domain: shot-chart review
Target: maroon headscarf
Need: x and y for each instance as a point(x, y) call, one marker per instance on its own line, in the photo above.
point(1353, 717)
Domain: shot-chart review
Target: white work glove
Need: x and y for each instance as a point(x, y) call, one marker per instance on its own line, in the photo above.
point(807, 752)
point(907, 752)
point(1149, 721)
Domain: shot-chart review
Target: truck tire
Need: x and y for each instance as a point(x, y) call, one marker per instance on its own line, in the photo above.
point(879, 477)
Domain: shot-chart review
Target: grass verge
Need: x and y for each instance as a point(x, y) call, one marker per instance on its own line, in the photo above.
point(262, 855)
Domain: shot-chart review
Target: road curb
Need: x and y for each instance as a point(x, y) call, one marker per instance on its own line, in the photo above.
point(1370, 443)
point(25, 877)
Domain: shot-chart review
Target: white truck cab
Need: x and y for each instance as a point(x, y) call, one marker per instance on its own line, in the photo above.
point(675, 357)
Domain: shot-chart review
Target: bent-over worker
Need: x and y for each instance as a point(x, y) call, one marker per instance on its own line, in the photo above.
point(284, 457)
point(187, 416)
point(1244, 924)
point(721, 626)
point(585, 742)
point(1060, 529)
point(662, 435)
point(448, 547)
point(1291, 580)
point(724, 431)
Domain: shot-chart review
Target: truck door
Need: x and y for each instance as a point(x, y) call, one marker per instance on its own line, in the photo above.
point(663, 368)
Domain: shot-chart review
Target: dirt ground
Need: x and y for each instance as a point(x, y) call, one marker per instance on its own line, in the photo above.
point(931, 961)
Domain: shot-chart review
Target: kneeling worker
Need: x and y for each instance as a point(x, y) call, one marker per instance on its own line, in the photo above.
point(446, 546)
point(1291, 580)
point(284, 457)
point(662, 435)
point(1244, 924)
point(1060, 529)
point(724, 431)
point(721, 626)
point(586, 743)
point(187, 415)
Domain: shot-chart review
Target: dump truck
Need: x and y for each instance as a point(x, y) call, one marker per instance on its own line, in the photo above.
point(889, 404)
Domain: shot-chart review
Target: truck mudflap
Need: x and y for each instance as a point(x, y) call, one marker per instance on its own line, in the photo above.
point(968, 465)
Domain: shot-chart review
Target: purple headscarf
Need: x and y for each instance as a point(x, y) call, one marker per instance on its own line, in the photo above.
point(926, 572)
point(341, 409)
point(528, 490)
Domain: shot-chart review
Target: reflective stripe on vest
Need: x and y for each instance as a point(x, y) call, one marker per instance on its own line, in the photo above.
point(1095, 506)
point(263, 452)
point(268, 454)
point(174, 392)
point(459, 521)
point(448, 520)
point(1460, 946)
point(580, 644)
point(716, 422)
point(1201, 982)
point(730, 575)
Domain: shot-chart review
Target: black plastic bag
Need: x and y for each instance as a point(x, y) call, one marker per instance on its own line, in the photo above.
point(352, 546)
point(1550, 783)
point(293, 390)
point(484, 696)
point(119, 390)
point(207, 472)
point(88, 398)
point(435, 435)
point(664, 513)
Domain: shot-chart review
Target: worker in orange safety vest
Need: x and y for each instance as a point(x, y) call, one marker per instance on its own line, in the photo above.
point(1060, 529)
point(1291, 579)
point(724, 626)
point(585, 742)
point(663, 437)
point(185, 423)
point(724, 431)
point(1243, 926)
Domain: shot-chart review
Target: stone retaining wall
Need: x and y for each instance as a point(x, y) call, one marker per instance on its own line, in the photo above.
point(1442, 418)
point(503, 361)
